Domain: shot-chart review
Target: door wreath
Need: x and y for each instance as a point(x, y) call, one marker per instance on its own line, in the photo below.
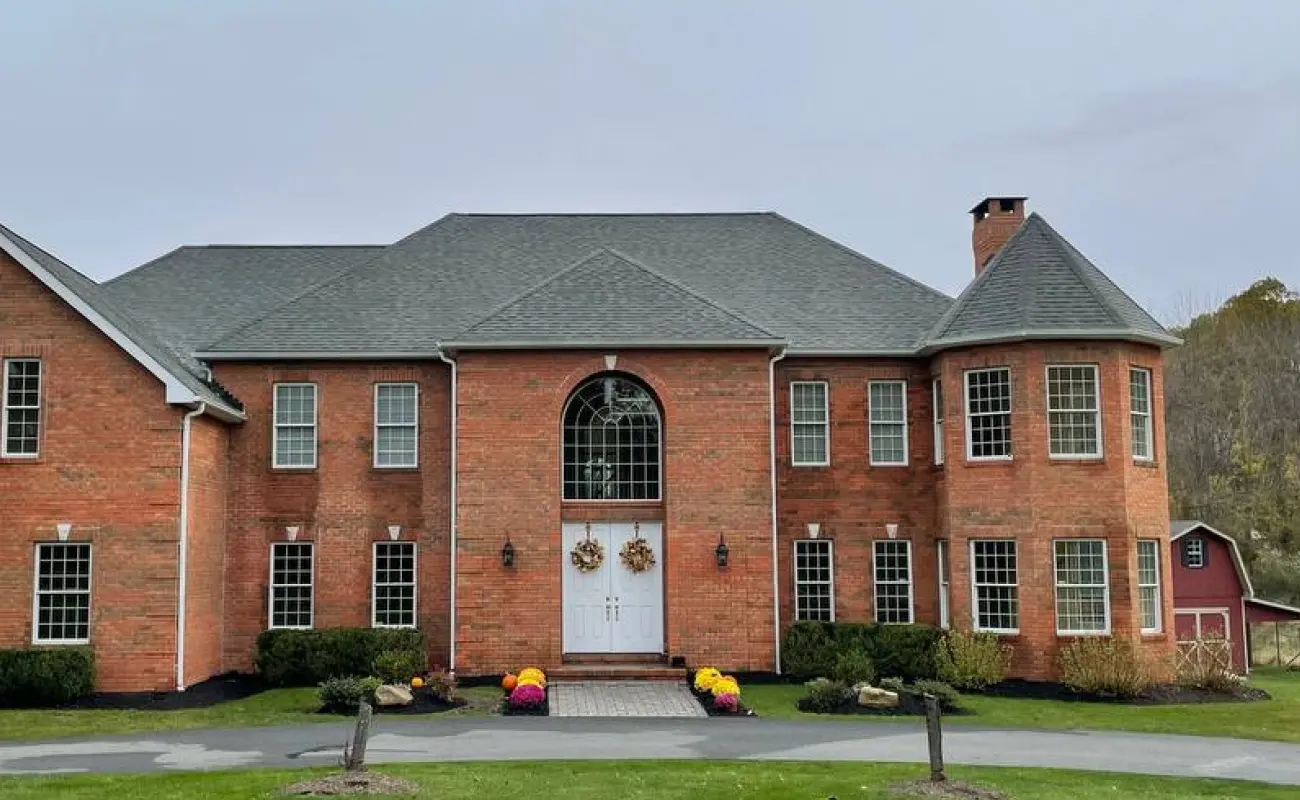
point(636, 554)
point(588, 554)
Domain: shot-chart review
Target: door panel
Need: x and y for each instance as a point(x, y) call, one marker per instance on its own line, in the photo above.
point(638, 596)
point(587, 602)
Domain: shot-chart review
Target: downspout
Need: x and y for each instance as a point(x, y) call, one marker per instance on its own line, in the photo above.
point(771, 444)
point(183, 543)
point(451, 649)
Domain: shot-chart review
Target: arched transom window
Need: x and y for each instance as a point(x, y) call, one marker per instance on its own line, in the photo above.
point(611, 442)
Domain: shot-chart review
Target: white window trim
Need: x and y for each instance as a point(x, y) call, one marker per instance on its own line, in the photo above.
point(36, 596)
point(276, 425)
point(1200, 552)
point(974, 590)
point(374, 585)
point(1149, 413)
point(936, 404)
point(944, 579)
point(1056, 589)
point(826, 425)
point(1047, 408)
point(907, 450)
point(270, 590)
point(794, 573)
point(911, 588)
point(4, 407)
point(965, 400)
point(415, 424)
point(1155, 546)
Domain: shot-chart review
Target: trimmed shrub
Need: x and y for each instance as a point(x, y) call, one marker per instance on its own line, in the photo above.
point(46, 676)
point(399, 666)
point(972, 660)
point(1105, 666)
point(824, 696)
point(344, 695)
point(949, 699)
point(810, 649)
point(854, 666)
point(442, 685)
point(307, 658)
point(894, 685)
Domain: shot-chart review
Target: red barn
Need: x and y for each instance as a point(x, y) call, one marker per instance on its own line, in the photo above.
point(1213, 595)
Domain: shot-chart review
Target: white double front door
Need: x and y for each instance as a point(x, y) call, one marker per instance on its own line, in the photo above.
point(612, 609)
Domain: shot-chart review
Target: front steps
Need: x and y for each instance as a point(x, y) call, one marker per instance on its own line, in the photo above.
point(615, 671)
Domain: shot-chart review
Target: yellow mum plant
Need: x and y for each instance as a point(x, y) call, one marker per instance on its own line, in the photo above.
point(705, 677)
point(534, 676)
point(725, 685)
point(531, 680)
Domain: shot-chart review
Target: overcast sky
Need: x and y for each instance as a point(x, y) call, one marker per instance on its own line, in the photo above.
point(1162, 138)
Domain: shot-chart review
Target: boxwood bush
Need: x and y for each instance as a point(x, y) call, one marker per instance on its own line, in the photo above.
point(46, 676)
point(307, 658)
point(811, 649)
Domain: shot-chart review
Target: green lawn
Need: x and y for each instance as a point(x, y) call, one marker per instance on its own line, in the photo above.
point(664, 780)
point(273, 707)
point(1277, 719)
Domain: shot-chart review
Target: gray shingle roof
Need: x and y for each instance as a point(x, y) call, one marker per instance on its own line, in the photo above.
point(1040, 286)
point(438, 282)
point(608, 299)
point(177, 364)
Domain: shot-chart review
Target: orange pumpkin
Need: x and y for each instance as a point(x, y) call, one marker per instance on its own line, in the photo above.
point(509, 682)
point(417, 682)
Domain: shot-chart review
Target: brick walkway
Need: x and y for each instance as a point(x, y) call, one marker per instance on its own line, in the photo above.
point(623, 699)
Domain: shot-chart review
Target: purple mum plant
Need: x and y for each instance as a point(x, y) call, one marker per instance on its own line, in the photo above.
point(727, 702)
point(527, 696)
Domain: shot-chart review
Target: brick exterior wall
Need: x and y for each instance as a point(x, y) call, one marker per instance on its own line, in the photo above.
point(109, 465)
point(343, 505)
point(205, 582)
point(716, 480)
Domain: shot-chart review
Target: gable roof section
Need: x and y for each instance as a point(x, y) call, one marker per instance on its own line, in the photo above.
point(88, 299)
point(440, 281)
point(606, 299)
point(1178, 528)
point(1040, 287)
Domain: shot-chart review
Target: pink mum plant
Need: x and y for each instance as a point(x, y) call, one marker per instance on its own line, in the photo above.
point(727, 702)
point(527, 695)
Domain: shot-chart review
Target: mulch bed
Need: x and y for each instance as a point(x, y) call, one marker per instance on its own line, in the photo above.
point(221, 689)
point(705, 700)
point(424, 703)
point(1158, 695)
point(909, 705)
point(944, 789)
point(344, 783)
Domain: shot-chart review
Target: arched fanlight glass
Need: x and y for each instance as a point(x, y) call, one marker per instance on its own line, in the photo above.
point(611, 442)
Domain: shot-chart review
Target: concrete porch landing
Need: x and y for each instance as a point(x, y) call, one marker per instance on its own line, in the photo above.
point(623, 699)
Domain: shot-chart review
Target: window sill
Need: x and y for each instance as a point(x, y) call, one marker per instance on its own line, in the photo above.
point(60, 642)
point(292, 470)
point(398, 470)
point(1082, 634)
point(990, 462)
point(1067, 461)
point(612, 502)
point(1146, 463)
point(810, 466)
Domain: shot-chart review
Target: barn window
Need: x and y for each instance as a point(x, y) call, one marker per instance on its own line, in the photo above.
point(1194, 552)
point(611, 442)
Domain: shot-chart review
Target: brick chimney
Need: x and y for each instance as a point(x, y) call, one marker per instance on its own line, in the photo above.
point(996, 218)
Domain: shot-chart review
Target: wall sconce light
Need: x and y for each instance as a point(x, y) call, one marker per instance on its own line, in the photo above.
point(64, 530)
point(508, 554)
point(394, 532)
point(722, 552)
point(291, 531)
point(892, 530)
point(814, 530)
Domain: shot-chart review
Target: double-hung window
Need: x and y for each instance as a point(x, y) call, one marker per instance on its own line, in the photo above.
point(810, 432)
point(397, 425)
point(814, 580)
point(62, 603)
point(393, 591)
point(988, 414)
point(292, 580)
point(1073, 416)
point(887, 409)
point(937, 392)
point(1082, 591)
point(996, 586)
point(893, 579)
point(1149, 584)
point(22, 408)
point(294, 446)
point(1139, 413)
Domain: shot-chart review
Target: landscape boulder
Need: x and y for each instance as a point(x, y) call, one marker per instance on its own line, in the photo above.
point(393, 695)
point(872, 697)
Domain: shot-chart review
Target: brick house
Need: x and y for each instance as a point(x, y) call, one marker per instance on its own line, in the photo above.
point(436, 432)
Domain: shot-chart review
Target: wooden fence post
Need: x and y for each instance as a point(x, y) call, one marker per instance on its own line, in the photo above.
point(354, 757)
point(934, 734)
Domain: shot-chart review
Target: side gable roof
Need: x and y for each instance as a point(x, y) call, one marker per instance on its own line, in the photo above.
point(88, 299)
point(1178, 528)
point(1040, 287)
point(607, 299)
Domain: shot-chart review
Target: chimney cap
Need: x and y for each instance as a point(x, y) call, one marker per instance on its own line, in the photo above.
point(982, 207)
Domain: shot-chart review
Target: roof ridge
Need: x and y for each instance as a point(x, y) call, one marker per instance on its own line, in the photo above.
point(617, 214)
point(272, 246)
point(1073, 263)
point(16, 235)
point(861, 256)
point(528, 292)
point(936, 331)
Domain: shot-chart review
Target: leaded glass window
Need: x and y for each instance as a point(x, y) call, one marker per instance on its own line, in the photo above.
point(612, 438)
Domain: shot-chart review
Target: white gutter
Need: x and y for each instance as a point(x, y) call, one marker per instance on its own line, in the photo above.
point(771, 444)
point(451, 649)
point(183, 543)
